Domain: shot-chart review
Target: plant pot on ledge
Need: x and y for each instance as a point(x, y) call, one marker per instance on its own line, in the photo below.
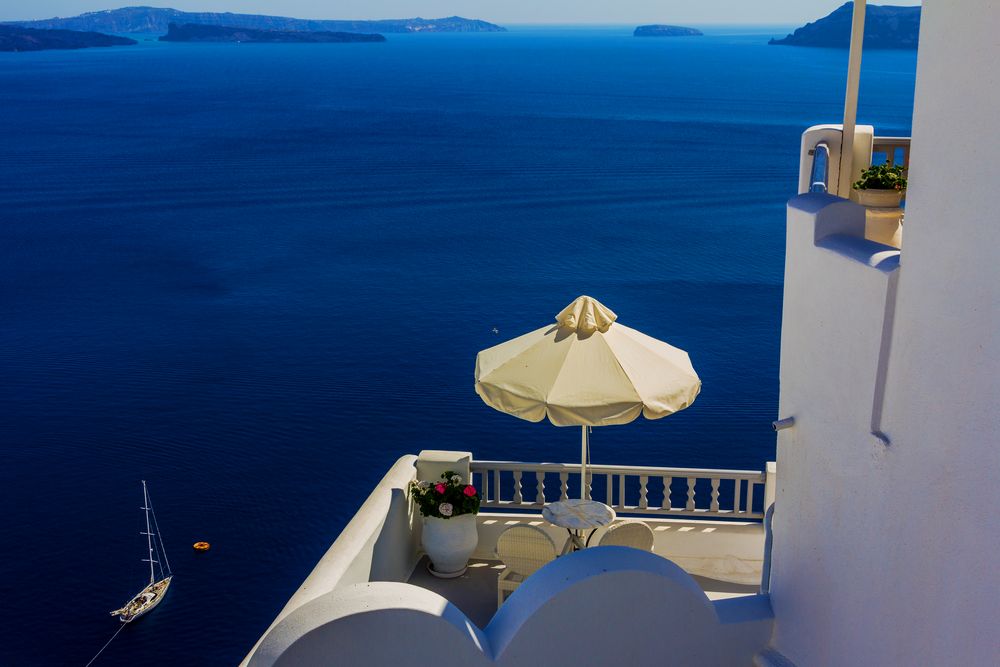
point(449, 537)
point(876, 198)
point(881, 186)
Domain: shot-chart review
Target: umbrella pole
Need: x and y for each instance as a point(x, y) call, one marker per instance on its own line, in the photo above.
point(584, 448)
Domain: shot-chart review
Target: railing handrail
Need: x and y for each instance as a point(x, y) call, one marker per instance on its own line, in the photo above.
point(729, 494)
point(889, 146)
point(816, 179)
point(652, 471)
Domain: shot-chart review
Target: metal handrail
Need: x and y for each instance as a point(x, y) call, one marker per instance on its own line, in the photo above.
point(819, 174)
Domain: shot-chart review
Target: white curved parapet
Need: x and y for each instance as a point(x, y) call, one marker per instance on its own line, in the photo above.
point(594, 607)
point(831, 137)
point(379, 543)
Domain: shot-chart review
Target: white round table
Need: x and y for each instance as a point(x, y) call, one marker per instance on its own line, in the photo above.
point(577, 516)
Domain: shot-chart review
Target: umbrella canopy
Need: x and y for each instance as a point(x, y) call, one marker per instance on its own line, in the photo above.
point(586, 370)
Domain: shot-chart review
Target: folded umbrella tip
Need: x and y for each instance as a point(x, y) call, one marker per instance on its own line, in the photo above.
point(586, 314)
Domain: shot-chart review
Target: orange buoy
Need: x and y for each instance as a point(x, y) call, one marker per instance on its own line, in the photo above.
point(202, 546)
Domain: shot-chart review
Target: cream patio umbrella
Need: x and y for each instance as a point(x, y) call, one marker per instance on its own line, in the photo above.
point(586, 370)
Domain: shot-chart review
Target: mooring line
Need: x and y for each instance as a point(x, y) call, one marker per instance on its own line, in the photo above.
point(106, 645)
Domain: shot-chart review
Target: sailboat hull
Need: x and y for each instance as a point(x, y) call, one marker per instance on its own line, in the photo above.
point(151, 595)
point(144, 602)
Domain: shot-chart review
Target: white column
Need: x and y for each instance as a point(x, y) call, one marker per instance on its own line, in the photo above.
point(770, 484)
point(851, 99)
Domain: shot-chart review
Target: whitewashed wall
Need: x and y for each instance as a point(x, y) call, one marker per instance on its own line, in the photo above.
point(379, 544)
point(594, 608)
point(885, 551)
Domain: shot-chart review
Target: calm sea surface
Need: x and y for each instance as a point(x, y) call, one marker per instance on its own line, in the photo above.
point(255, 275)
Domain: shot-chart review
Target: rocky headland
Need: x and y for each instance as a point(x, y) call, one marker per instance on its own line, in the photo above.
point(193, 32)
point(16, 38)
point(157, 19)
point(886, 27)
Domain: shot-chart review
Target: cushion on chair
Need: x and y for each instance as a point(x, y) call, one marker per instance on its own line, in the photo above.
point(635, 534)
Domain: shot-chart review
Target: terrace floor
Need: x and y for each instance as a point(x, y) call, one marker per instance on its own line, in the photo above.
point(475, 592)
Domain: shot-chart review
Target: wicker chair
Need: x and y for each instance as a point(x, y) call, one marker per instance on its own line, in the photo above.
point(523, 550)
point(635, 534)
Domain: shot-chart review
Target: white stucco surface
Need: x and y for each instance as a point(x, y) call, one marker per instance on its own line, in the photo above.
point(833, 136)
point(730, 551)
point(885, 548)
point(597, 607)
point(379, 544)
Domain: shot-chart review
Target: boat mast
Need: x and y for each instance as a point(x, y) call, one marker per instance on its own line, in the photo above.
point(149, 536)
point(162, 551)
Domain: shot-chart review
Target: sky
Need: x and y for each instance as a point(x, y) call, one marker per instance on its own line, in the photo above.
point(499, 11)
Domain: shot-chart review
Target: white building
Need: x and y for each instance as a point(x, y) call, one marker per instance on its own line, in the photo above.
point(885, 536)
point(885, 532)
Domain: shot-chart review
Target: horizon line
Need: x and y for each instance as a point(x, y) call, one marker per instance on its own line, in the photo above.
point(501, 24)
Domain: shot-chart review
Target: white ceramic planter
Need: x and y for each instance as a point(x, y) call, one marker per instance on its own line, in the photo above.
point(449, 543)
point(880, 198)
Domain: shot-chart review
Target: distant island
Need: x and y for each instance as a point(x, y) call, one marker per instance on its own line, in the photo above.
point(194, 32)
point(16, 38)
point(665, 31)
point(131, 20)
point(886, 27)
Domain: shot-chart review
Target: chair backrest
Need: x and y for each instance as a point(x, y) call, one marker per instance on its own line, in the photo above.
point(633, 534)
point(525, 549)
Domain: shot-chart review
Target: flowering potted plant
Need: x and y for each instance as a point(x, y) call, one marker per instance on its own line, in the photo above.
point(449, 508)
point(881, 186)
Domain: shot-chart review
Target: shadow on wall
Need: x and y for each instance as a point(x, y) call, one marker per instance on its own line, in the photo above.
point(394, 552)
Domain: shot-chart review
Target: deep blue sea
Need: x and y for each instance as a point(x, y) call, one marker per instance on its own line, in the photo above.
point(255, 275)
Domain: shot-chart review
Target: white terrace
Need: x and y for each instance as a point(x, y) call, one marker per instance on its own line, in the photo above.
point(885, 540)
point(710, 524)
point(709, 570)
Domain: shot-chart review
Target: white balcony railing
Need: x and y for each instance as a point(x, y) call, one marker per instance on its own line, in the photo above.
point(691, 492)
point(895, 149)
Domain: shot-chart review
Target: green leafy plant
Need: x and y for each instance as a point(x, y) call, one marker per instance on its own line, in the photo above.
point(881, 177)
point(448, 498)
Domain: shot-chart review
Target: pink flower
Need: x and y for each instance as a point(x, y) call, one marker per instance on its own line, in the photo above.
point(469, 490)
point(446, 509)
point(439, 487)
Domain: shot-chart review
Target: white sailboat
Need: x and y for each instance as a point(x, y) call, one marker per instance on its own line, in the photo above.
point(151, 595)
